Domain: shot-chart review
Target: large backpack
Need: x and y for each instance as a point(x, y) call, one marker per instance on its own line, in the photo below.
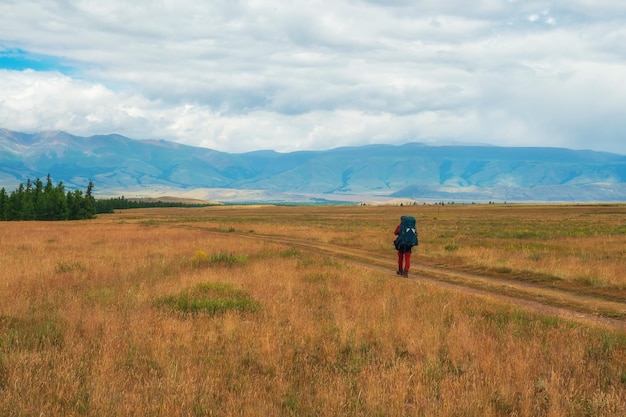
point(407, 234)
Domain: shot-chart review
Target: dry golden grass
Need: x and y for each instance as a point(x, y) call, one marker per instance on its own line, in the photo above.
point(82, 331)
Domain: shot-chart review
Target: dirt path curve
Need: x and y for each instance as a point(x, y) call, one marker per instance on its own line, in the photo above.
point(551, 301)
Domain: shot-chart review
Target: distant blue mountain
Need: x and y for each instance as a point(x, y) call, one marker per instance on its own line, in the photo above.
point(413, 171)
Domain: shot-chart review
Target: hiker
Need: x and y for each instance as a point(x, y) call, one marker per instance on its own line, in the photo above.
point(406, 233)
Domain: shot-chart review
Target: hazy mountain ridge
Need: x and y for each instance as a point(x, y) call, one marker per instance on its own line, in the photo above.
point(412, 170)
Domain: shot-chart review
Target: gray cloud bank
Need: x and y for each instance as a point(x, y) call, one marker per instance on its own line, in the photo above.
point(288, 75)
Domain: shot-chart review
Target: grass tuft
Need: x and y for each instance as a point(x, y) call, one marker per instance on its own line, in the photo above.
point(63, 267)
point(290, 253)
point(202, 259)
point(209, 298)
point(589, 281)
point(30, 333)
point(4, 371)
point(451, 247)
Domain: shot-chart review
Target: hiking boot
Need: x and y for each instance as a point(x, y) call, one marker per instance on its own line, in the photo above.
point(399, 272)
point(405, 273)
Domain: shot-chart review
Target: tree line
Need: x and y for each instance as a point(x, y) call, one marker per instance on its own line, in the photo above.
point(39, 201)
point(121, 203)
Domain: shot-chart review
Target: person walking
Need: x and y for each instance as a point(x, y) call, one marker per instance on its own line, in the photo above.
point(406, 233)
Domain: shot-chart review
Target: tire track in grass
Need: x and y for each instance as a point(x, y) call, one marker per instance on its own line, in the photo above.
point(564, 304)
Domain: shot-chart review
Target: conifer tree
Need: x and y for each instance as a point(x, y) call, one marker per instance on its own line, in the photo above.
point(16, 203)
point(4, 204)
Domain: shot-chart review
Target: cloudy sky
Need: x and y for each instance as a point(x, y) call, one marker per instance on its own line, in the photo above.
point(293, 75)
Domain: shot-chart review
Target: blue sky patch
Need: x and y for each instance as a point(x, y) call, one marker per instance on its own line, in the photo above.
point(19, 60)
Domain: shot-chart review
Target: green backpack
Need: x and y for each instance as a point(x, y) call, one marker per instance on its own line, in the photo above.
point(407, 234)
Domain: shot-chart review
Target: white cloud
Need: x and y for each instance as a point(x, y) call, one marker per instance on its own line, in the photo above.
point(246, 75)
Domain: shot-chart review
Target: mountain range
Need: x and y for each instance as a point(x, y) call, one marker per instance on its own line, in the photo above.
point(118, 165)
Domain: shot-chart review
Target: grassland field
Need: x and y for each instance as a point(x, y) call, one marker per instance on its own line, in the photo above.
point(509, 310)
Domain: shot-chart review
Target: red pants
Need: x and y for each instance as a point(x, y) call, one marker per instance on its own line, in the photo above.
point(404, 258)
